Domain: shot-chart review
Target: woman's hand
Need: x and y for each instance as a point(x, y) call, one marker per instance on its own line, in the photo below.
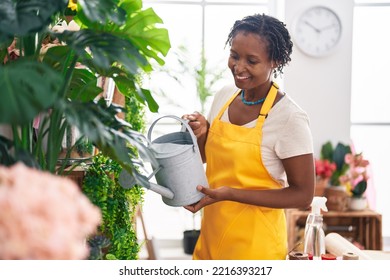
point(198, 123)
point(211, 196)
point(200, 127)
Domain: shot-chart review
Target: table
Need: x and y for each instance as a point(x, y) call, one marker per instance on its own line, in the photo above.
point(362, 228)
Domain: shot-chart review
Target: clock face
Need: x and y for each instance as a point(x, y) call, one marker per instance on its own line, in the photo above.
point(317, 31)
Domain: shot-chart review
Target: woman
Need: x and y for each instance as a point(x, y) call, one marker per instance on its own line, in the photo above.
point(257, 147)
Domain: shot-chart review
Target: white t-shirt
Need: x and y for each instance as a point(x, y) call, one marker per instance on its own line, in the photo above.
point(286, 131)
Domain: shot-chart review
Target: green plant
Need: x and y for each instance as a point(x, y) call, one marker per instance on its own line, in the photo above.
point(336, 155)
point(203, 76)
point(117, 39)
point(116, 238)
point(205, 80)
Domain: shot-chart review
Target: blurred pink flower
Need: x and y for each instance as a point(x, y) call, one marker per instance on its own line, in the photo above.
point(356, 178)
point(43, 216)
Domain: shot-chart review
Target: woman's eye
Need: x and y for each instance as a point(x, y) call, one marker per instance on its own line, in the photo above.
point(252, 62)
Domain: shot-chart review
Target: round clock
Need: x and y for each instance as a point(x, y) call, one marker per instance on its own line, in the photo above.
point(317, 31)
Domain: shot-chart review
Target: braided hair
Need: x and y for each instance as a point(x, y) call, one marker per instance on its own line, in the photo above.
point(270, 29)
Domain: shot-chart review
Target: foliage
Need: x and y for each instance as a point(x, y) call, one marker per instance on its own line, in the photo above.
point(117, 39)
point(203, 76)
point(351, 167)
point(116, 238)
point(205, 80)
point(336, 155)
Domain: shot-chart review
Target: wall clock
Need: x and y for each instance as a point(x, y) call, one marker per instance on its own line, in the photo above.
point(317, 31)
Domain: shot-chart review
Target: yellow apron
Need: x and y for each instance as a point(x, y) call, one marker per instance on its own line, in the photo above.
point(232, 230)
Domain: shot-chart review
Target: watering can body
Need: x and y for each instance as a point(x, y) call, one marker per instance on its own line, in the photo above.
point(180, 162)
point(178, 167)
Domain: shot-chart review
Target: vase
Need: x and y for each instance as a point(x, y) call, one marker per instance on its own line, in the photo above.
point(190, 237)
point(357, 203)
point(337, 198)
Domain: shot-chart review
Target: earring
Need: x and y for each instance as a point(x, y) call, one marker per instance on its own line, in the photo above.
point(275, 74)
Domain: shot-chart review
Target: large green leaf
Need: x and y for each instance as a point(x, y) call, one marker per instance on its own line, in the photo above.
point(102, 11)
point(359, 189)
point(83, 86)
point(22, 17)
point(26, 88)
point(128, 88)
point(106, 49)
point(149, 39)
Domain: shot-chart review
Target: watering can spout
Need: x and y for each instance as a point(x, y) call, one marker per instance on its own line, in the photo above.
point(165, 192)
point(127, 181)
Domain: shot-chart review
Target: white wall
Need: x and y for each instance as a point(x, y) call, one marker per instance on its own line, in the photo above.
point(322, 86)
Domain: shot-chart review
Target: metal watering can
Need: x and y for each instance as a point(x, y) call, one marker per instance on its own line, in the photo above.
point(178, 168)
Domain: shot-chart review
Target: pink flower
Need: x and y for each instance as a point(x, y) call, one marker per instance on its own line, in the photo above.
point(43, 216)
point(356, 174)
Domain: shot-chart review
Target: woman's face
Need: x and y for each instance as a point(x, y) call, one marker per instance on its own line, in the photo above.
point(249, 61)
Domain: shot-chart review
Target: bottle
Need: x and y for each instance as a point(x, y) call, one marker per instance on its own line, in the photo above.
point(314, 238)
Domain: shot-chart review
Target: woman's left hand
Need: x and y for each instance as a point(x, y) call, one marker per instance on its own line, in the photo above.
point(211, 196)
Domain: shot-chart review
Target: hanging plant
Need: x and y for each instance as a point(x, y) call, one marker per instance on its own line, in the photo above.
point(116, 238)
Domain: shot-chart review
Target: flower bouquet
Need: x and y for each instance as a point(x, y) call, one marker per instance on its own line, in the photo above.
point(337, 197)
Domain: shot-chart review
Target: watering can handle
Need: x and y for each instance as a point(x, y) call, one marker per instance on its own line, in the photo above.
point(183, 122)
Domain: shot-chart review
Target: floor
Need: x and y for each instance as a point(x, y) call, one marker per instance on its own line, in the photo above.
point(163, 250)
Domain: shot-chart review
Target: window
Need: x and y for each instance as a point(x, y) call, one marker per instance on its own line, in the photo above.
point(370, 117)
point(192, 26)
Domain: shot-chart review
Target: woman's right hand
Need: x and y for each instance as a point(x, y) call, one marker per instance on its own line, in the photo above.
point(198, 123)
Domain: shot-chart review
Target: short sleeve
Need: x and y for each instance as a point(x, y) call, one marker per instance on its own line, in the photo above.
point(295, 137)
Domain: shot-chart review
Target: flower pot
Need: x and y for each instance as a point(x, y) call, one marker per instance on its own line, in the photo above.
point(320, 186)
point(357, 203)
point(337, 198)
point(190, 237)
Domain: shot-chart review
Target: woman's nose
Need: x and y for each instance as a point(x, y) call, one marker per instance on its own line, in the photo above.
point(238, 66)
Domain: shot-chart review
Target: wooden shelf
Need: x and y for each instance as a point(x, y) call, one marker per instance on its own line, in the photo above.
point(363, 227)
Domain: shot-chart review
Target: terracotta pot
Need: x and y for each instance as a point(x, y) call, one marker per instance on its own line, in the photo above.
point(337, 198)
point(320, 186)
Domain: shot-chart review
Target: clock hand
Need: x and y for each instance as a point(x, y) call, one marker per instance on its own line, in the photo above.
point(312, 26)
point(327, 27)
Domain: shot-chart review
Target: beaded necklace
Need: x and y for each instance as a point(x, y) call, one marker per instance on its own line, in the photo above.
point(250, 103)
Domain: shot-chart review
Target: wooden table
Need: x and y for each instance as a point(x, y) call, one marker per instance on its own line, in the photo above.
point(363, 227)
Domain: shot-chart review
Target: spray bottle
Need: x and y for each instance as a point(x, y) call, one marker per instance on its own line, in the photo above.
point(314, 244)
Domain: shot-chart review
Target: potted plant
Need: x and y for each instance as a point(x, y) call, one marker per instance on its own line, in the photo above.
point(337, 197)
point(336, 155)
point(324, 170)
point(116, 39)
point(356, 179)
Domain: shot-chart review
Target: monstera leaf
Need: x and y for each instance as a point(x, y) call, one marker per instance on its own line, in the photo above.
point(27, 17)
point(27, 88)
